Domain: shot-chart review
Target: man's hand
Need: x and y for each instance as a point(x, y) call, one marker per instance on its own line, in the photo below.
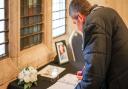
point(79, 75)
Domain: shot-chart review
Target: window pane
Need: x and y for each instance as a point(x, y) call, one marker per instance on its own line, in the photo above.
point(60, 21)
point(58, 31)
point(30, 3)
point(31, 20)
point(35, 29)
point(1, 3)
point(62, 1)
point(26, 42)
point(22, 32)
point(62, 6)
point(39, 28)
point(34, 2)
point(2, 37)
point(36, 39)
point(2, 26)
point(2, 49)
point(62, 14)
point(57, 15)
point(26, 21)
point(1, 13)
point(55, 1)
point(25, 10)
point(30, 30)
point(25, 2)
point(55, 7)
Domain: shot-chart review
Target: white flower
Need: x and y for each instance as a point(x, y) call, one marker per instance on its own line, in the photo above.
point(21, 76)
point(28, 74)
point(33, 78)
point(27, 79)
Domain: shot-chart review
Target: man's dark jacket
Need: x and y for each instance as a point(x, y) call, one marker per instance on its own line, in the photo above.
point(105, 51)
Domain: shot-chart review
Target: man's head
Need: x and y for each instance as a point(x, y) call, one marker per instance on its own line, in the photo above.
point(78, 10)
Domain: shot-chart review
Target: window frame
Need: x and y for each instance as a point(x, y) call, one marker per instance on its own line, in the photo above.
point(30, 37)
point(65, 17)
point(5, 30)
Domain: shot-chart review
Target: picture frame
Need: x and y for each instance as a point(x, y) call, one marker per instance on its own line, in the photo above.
point(62, 54)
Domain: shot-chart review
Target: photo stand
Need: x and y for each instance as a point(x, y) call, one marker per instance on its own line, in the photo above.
point(62, 54)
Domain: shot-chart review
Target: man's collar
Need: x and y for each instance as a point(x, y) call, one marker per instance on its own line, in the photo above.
point(94, 6)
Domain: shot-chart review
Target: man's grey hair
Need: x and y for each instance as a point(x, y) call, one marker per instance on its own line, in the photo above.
point(79, 6)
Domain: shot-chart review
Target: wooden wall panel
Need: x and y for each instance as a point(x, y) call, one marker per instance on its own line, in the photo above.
point(121, 7)
point(99, 2)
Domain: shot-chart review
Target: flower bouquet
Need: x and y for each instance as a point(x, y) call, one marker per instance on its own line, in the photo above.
point(27, 77)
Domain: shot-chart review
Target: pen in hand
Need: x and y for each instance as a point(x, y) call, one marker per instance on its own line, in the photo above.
point(79, 74)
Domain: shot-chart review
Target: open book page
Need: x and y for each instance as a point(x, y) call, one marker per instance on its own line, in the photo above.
point(69, 81)
point(51, 71)
point(60, 85)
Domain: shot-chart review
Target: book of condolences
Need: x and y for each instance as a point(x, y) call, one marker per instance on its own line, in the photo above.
point(69, 81)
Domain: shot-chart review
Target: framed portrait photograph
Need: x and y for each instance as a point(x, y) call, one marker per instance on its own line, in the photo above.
point(62, 51)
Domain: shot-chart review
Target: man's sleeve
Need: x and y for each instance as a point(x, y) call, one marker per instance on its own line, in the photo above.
point(97, 52)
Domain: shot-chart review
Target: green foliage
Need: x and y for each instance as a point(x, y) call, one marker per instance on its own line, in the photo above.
point(27, 85)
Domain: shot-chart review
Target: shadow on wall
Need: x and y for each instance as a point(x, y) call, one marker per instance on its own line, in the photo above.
point(75, 49)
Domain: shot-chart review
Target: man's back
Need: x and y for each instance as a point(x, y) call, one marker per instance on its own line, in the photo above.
point(118, 67)
point(116, 46)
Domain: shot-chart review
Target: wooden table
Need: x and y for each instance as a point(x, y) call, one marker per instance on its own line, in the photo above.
point(44, 83)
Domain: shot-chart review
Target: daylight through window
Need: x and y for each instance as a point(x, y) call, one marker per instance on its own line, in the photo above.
point(58, 17)
point(3, 28)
